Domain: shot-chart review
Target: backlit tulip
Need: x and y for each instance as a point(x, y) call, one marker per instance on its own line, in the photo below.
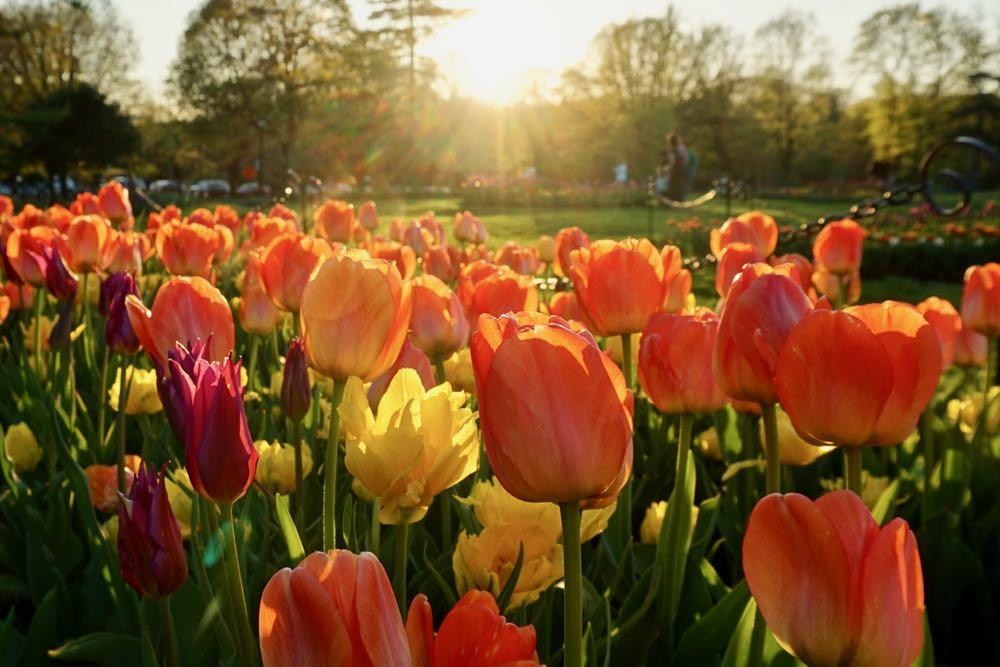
point(6, 207)
point(417, 238)
point(443, 262)
point(4, 307)
point(83, 244)
point(792, 449)
point(22, 296)
point(546, 248)
point(839, 289)
point(754, 228)
point(675, 362)
point(296, 393)
point(185, 310)
point(368, 216)
point(150, 548)
point(652, 521)
point(265, 230)
point(762, 307)
point(334, 221)
point(834, 588)
point(521, 258)
point(458, 371)
point(334, 609)
point(732, 259)
point(946, 321)
point(85, 204)
point(403, 256)
point(354, 316)
point(619, 284)
point(126, 251)
point(469, 228)
point(488, 288)
point(860, 376)
point(279, 210)
point(21, 448)
point(26, 253)
point(967, 412)
point(114, 202)
point(276, 466)
point(438, 325)
point(837, 247)
point(221, 459)
point(258, 314)
point(567, 306)
point(59, 280)
point(409, 357)
point(555, 411)
point(187, 249)
point(803, 268)
point(568, 239)
point(417, 444)
point(981, 299)
point(227, 217)
point(677, 279)
point(142, 397)
point(971, 348)
point(287, 263)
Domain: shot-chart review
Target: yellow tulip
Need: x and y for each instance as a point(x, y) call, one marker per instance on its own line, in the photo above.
point(181, 499)
point(967, 412)
point(708, 444)
point(613, 347)
point(420, 443)
point(276, 465)
point(142, 398)
point(794, 450)
point(458, 371)
point(110, 529)
point(22, 448)
point(649, 531)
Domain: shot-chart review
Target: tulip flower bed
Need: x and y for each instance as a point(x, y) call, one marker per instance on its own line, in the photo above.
point(349, 441)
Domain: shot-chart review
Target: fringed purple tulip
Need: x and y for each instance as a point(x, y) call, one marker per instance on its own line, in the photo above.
point(295, 392)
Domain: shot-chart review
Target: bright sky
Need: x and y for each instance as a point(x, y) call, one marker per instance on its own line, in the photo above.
point(501, 46)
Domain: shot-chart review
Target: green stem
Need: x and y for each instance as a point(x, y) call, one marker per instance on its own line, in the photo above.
point(439, 368)
point(757, 639)
point(87, 351)
point(991, 360)
point(445, 500)
point(235, 580)
point(627, 358)
point(852, 469)
point(772, 449)
point(927, 440)
point(300, 510)
point(102, 399)
point(39, 302)
point(330, 470)
point(401, 560)
point(71, 368)
point(170, 651)
point(573, 620)
point(375, 533)
point(252, 367)
point(122, 404)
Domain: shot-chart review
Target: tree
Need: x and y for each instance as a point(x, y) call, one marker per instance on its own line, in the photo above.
point(408, 21)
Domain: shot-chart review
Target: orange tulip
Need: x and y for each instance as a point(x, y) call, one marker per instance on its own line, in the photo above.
point(227, 217)
point(566, 306)
point(286, 265)
point(6, 207)
point(418, 238)
point(521, 258)
point(803, 268)
point(860, 376)
point(488, 288)
point(114, 202)
point(763, 305)
point(401, 255)
point(85, 204)
point(201, 216)
point(732, 259)
point(258, 314)
point(354, 315)
point(619, 284)
point(833, 587)
point(556, 413)
point(59, 217)
point(837, 247)
point(23, 296)
point(546, 248)
point(833, 286)
point(675, 362)
point(187, 249)
point(157, 218)
point(469, 228)
point(438, 325)
point(971, 348)
point(84, 242)
point(334, 220)
point(265, 230)
point(335, 608)
point(981, 299)
point(279, 210)
point(368, 216)
point(31, 216)
point(754, 228)
point(4, 307)
point(568, 239)
point(946, 321)
point(26, 250)
point(443, 261)
point(677, 279)
point(126, 251)
point(226, 245)
point(185, 310)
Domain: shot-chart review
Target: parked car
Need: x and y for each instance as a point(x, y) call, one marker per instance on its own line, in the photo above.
point(165, 185)
point(128, 182)
point(253, 188)
point(210, 187)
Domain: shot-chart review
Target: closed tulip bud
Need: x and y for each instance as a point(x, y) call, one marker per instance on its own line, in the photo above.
point(409, 357)
point(469, 228)
point(981, 299)
point(22, 448)
point(793, 450)
point(546, 248)
point(84, 242)
point(438, 324)
point(946, 321)
point(417, 238)
point(276, 466)
point(675, 363)
point(843, 290)
point(488, 288)
point(114, 203)
point(522, 259)
point(354, 315)
point(762, 308)
point(368, 216)
point(187, 248)
point(335, 606)
point(26, 253)
point(296, 394)
point(257, 312)
point(567, 240)
point(652, 521)
point(119, 335)
point(971, 348)
point(443, 262)
point(85, 204)
point(403, 256)
point(334, 221)
point(63, 327)
point(126, 251)
point(877, 398)
point(753, 228)
point(620, 284)
point(732, 259)
point(142, 398)
point(555, 411)
point(59, 280)
point(677, 279)
point(834, 588)
point(837, 248)
point(150, 548)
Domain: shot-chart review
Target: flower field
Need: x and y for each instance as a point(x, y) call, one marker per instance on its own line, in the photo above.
point(346, 438)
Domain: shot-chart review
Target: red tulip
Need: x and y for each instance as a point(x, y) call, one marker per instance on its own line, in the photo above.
point(803, 268)
point(837, 247)
point(841, 289)
point(368, 216)
point(227, 217)
point(85, 204)
point(568, 239)
point(444, 262)
point(675, 362)
point(418, 238)
point(59, 217)
point(114, 202)
point(555, 411)
point(150, 549)
point(981, 299)
point(946, 321)
point(438, 325)
point(860, 376)
point(296, 393)
point(469, 228)
point(59, 280)
point(258, 314)
point(566, 306)
point(334, 609)
point(265, 230)
point(281, 211)
point(732, 259)
point(971, 348)
point(833, 587)
point(753, 228)
point(763, 305)
point(287, 264)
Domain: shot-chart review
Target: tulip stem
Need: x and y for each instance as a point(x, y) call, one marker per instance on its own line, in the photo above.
point(627, 359)
point(330, 470)
point(300, 511)
point(87, 351)
point(772, 449)
point(439, 368)
point(573, 617)
point(399, 578)
point(252, 367)
point(239, 598)
point(852, 469)
point(991, 361)
point(39, 302)
point(123, 388)
point(102, 399)
point(170, 651)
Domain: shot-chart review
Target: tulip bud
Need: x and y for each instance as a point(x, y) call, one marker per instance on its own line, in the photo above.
point(296, 394)
point(60, 333)
point(568, 239)
point(118, 332)
point(981, 299)
point(368, 216)
point(838, 246)
point(150, 548)
point(170, 386)
point(754, 228)
point(22, 448)
point(59, 280)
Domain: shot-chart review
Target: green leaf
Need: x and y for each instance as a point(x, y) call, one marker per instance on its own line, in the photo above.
point(449, 593)
point(704, 639)
point(295, 549)
point(673, 544)
point(42, 631)
point(742, 643)
point(508, 590)
point(886, 503)
point(102, 648)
